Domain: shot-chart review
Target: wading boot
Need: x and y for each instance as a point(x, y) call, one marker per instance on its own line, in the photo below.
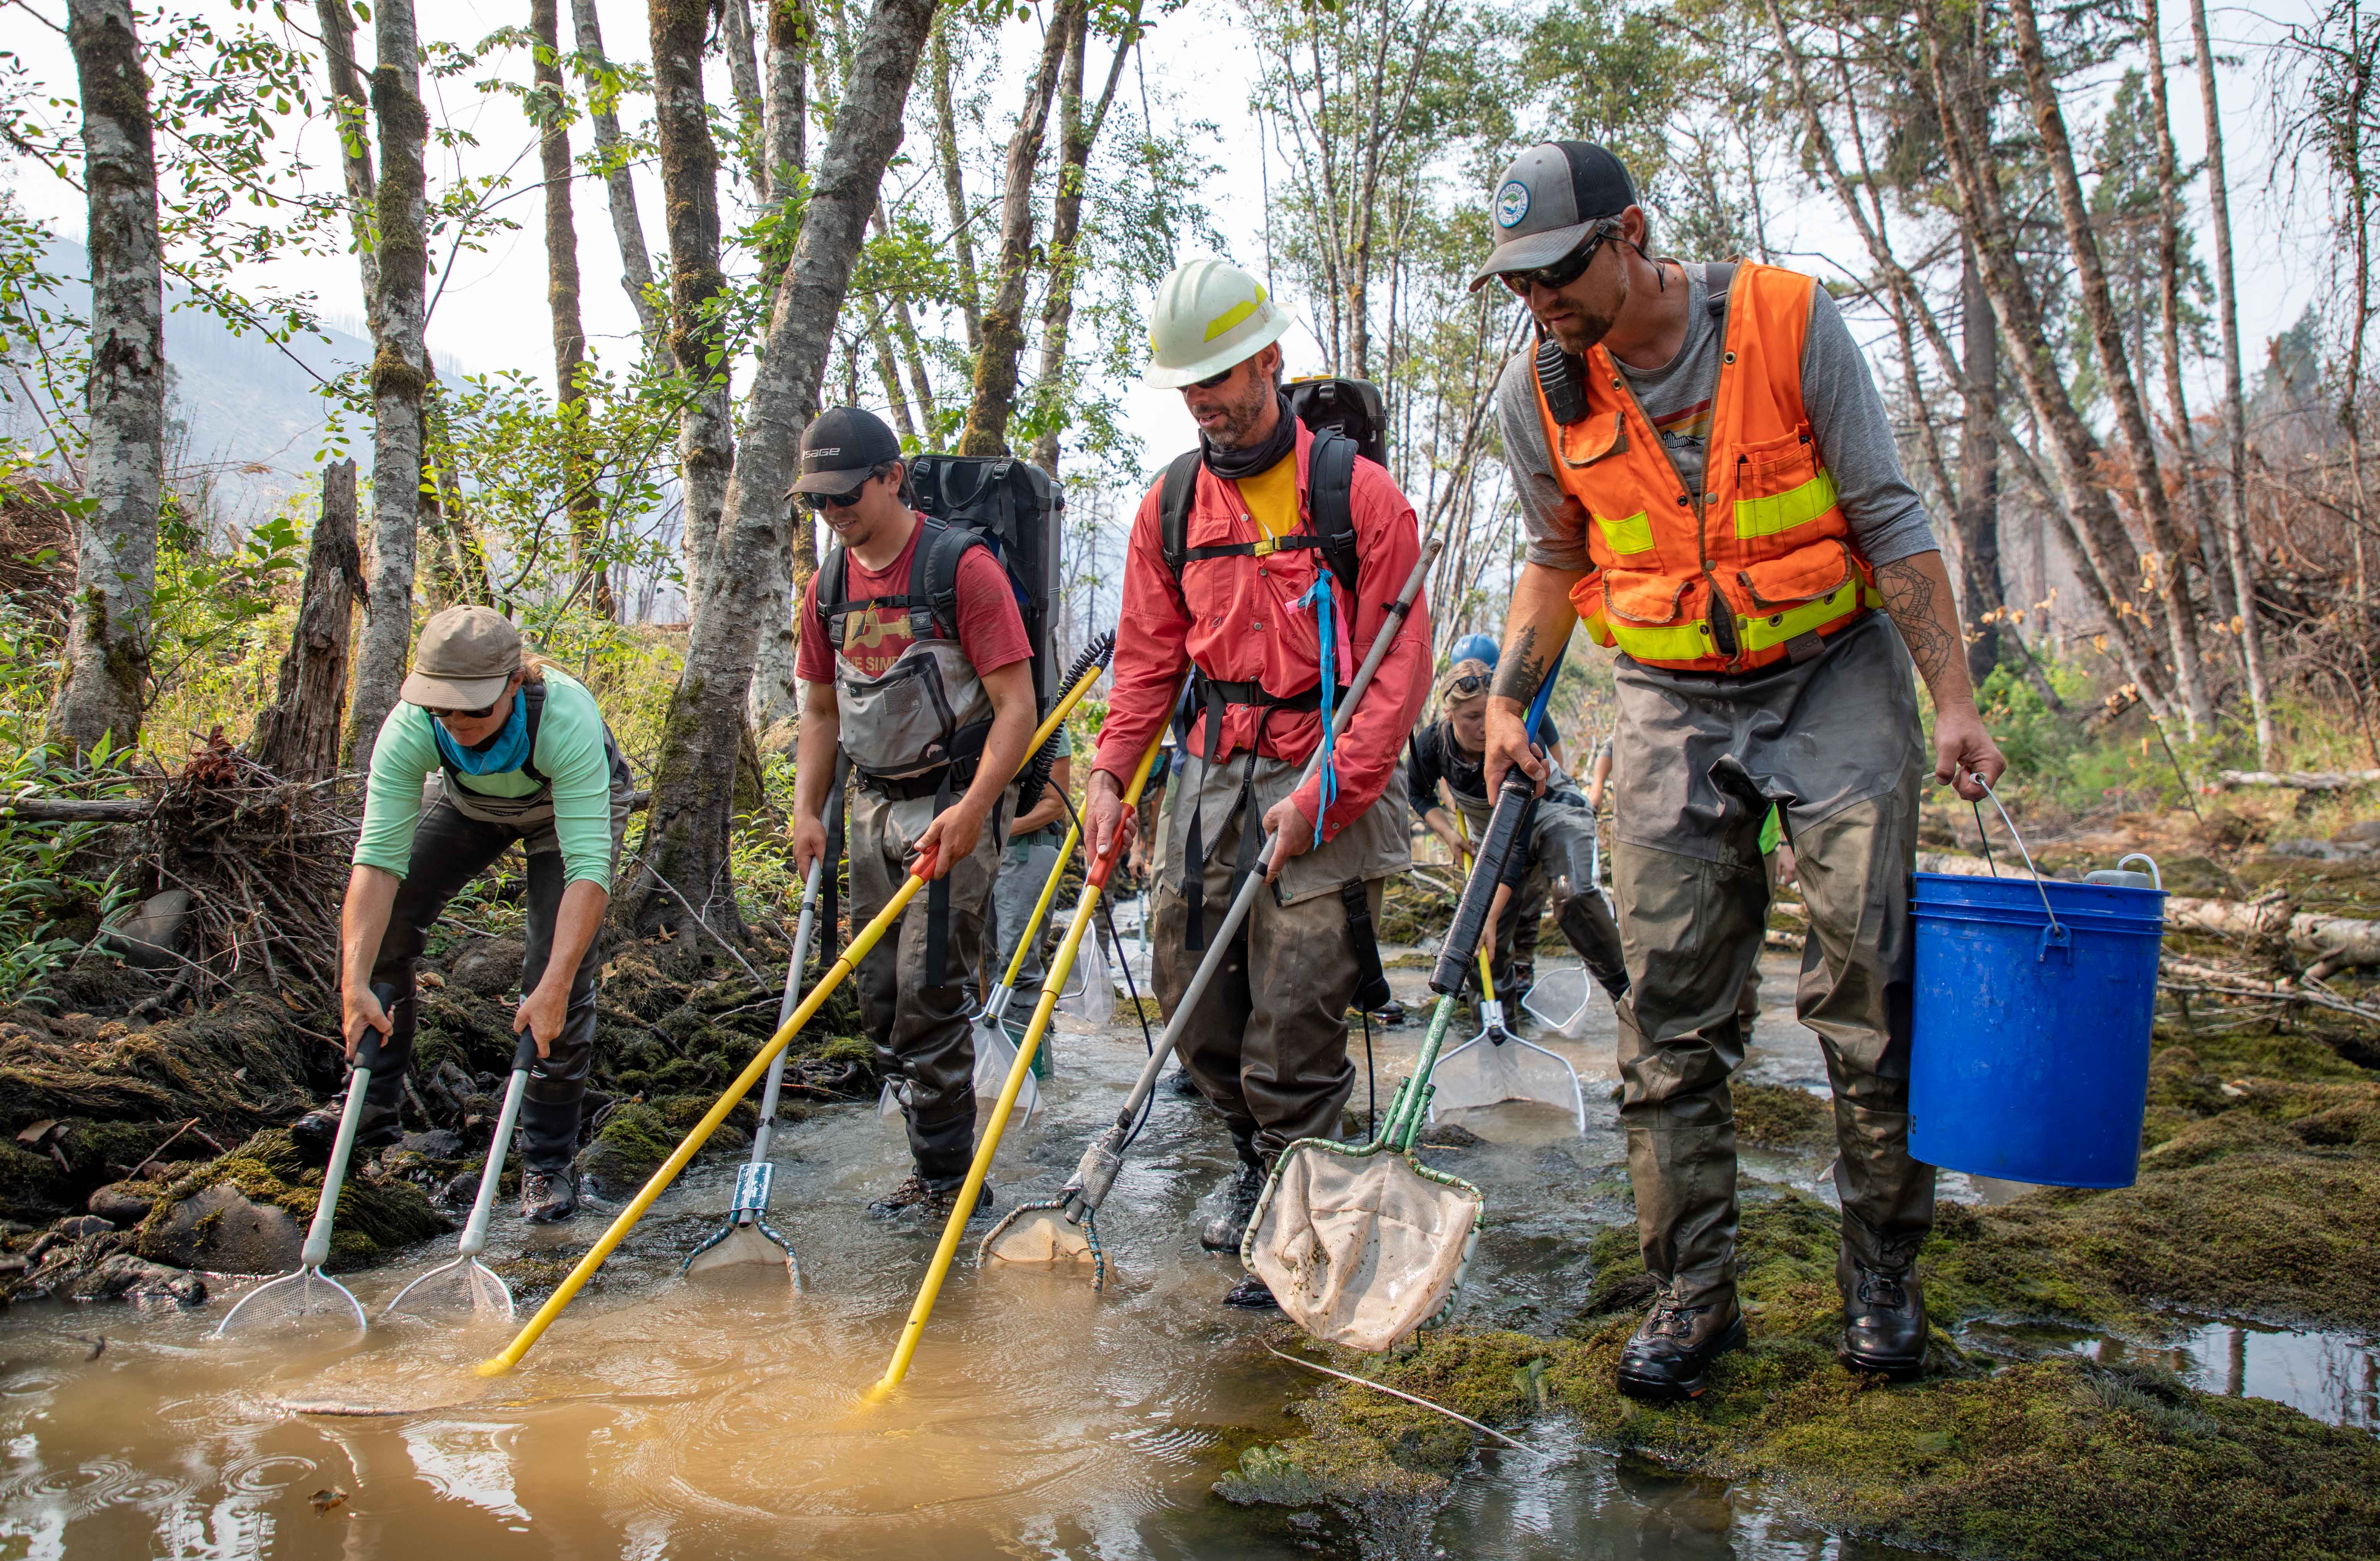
point(1251, 1294)
point(549, 1197)
point(1884, 1312)
point(1670, 1355)
point(933, 1200)
point(318, 1130)
point(1222, 1233)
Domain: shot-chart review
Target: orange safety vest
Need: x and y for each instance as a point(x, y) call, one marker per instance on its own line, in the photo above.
point(1761, 565)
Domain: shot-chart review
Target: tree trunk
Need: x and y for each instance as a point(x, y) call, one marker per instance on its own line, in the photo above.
point(2168, 176)
point(946, 153)
point(737, 44)
point(400, 373)
point(1078, 133)
point(2115, 366)
point(124, 471)
point(584, 503)
point(2235, 414)
point(297, 735)
point(706, 438)
point(786, 108)
point(2109, 566)
point(1979, 472)
point(773, 703)
point(350, 114)
point(627, 228)
point(695, 778)
point(1003, 323)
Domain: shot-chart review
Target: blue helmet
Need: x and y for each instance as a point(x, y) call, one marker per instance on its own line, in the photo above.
point(1474, 647)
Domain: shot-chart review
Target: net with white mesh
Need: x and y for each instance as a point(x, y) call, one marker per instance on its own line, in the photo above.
point(307, 1300)
point(462, 1289)
point(1499, 1069)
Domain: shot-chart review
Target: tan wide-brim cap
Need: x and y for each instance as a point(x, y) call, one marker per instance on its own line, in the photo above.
point(465, 658)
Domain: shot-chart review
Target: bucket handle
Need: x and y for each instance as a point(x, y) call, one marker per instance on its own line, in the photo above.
point(2155, 876)
point(2056, 934)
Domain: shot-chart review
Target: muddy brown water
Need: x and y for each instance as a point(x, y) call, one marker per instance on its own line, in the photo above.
point(662, 1417)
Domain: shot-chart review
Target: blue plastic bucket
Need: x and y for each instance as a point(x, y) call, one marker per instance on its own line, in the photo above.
point(2029, 1055)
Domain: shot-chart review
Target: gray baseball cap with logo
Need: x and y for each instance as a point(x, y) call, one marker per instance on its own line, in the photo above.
point(1549, 201)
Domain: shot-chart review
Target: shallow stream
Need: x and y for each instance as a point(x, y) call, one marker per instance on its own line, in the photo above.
point(721, 1418)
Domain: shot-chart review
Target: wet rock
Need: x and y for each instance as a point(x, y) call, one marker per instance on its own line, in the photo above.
point(128, 1277)
point(122, 1203)
point(488, 967)
point(2363, 831)
point(74, 1228)
point(153, 938)
point(630, 1145)
point(438, 1144)
point(221, 1230)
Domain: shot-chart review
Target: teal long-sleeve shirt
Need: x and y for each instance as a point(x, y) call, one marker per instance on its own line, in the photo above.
point(570, 751)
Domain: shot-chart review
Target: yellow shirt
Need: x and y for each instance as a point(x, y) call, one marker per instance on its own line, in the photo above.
point(1272, 497)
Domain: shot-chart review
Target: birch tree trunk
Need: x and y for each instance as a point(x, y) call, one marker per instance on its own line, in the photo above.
point(1077, 132)
point(353, 117)
point(2235, 406)
point(584, 503)
point(627, 228)
point(2168, 177)
point(694, 781)
point(400, 373)
point(739, 45)
point(1003, 323)
point(116, 564)
point(773, 703)
point(706, 438)
point(946, 153)
point(2116, 371)
point(297, 735)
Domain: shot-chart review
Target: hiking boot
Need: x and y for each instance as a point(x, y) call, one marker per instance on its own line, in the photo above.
point(317, 1130)
point(549, 1197)
point(1222, 1233)
point(932, 1201)
point(1884, 1313)
point(1251, 1294)
point(1670, 1355)
point(1182, 1083)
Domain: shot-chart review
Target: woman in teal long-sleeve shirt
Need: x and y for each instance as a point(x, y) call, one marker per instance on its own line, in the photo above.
point(519, 753)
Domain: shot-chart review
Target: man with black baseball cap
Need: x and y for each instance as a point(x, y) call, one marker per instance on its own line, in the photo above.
point(914, 660)
point(1710, 484)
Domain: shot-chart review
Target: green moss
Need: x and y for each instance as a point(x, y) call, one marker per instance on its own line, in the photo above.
point(31, 1186)
point(375, 1216)
point(1780, 1117)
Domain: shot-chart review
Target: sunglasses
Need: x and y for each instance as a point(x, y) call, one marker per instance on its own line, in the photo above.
point(1212, 380)
point(1464, 687)
point(824, 501)
point(1562, 272)
point(482, 713)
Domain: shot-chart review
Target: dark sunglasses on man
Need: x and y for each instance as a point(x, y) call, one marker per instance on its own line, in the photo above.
point(1568, 269)
point(821, 502)
point(1212, 380)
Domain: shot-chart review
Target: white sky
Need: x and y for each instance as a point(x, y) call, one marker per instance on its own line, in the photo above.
point(490, 314)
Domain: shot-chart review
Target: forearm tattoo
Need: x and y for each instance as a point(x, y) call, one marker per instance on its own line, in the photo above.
point(1911, 596)
point(1521, 669)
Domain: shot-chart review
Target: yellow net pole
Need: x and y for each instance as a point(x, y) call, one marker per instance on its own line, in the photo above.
point(868, 938)
point(955, 1229)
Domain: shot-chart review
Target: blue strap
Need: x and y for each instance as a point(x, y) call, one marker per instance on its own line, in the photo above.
point(1319, 597)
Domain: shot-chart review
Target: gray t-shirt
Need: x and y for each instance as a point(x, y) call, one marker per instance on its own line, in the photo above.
point(1847, 419)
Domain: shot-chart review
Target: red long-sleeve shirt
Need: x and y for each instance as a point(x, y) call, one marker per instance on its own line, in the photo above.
point(1237, 618)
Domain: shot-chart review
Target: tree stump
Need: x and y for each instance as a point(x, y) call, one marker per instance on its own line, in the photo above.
point(298, 736)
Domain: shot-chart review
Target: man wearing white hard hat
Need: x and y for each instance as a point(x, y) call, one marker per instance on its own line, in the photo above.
point(1238, 556)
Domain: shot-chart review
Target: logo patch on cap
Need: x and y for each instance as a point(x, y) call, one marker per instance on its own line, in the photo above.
point(1511, 204)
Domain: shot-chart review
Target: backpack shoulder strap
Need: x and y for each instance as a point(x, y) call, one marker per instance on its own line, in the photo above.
point(1330, 493)
point(534, 693)
point(934, 575)
point(1176, 492)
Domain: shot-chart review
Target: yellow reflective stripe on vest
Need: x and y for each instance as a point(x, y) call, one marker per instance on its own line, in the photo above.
point(1632, 534)
point(1760, 633)
point(1783, 512)
point(1684, 642)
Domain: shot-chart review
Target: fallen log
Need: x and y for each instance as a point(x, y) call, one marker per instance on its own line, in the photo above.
point(134, 810)
point(2299, 779)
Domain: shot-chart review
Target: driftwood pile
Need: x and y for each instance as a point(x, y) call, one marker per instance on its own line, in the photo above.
point(265, 863)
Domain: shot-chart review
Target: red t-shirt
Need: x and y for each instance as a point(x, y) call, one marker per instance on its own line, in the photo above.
point(992, 631)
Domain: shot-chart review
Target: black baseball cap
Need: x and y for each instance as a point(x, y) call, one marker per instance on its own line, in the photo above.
point(842, 445)
point(1547, 200)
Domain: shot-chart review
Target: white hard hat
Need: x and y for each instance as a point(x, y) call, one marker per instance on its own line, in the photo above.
point(1210, 315)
